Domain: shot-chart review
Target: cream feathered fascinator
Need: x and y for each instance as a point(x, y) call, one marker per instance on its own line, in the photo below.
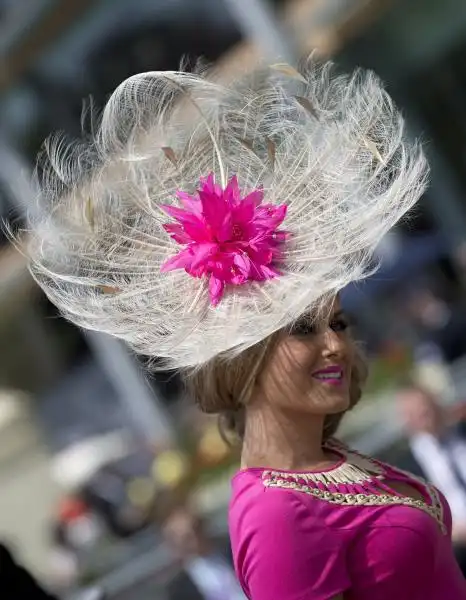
point(201, 217)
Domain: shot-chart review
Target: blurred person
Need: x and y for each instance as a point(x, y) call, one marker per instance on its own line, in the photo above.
point(438, 449)
point(236, 284)
point(16, 581)
point(207, 574)
point(78, 525)
point(64, 564)
point(107, 495)
point(440, 323)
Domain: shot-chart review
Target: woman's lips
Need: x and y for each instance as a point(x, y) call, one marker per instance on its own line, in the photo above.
point(330, 376)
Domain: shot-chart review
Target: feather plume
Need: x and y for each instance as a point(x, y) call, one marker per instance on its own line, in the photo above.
point(271, 151)
point(289, 71)
point(170, 155)
point(342, 195)
point(306, 104)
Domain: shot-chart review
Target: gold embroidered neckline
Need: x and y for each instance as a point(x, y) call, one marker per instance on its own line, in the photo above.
point(354, 469)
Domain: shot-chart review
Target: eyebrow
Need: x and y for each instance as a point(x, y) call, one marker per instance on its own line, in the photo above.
point(339, 313)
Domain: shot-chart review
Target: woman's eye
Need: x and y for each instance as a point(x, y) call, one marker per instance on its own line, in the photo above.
point(339, 325)
point(303, 328)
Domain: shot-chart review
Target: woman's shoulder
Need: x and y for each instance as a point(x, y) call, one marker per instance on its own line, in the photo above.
point(258, 510)
point(256, 503)
point(280, 545)
point(250, 491)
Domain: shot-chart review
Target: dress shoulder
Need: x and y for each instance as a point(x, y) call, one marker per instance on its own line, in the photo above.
point(283, 550)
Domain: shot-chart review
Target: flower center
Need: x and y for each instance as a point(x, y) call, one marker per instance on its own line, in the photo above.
point(236, 232)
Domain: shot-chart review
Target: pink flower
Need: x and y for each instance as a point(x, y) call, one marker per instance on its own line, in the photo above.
point(226, 237)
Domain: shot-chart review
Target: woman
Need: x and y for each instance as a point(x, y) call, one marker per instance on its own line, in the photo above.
point(311, 519)
point(236, 284)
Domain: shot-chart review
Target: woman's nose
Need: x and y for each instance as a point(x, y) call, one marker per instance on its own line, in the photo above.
point(333, 344)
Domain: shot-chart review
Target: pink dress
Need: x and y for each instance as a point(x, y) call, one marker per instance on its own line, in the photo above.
point(312, 536)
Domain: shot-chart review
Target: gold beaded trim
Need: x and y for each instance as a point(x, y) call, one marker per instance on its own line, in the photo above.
point(350, 473)
point(357, 470)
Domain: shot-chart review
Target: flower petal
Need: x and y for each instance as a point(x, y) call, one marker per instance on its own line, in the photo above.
point(280, 214)
point(182, 260)
point(198, 232)
point(216, 289)
point(202, 253)
point(224, 231)
point(190, 203)
point(270, 216)
point(209, 186)
point(255, 198)
point(214, 207)
point(232, 192)
point(261, 255)
point(243, 263)
point(177, 233)
point(182, 216)
point(243, 214)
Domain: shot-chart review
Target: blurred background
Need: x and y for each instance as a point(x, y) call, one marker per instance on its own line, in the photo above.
point(94, 452)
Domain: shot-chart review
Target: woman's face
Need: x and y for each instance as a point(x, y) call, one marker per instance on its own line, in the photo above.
point(310, 369)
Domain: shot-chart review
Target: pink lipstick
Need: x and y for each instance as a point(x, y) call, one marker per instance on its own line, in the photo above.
point(333, 375)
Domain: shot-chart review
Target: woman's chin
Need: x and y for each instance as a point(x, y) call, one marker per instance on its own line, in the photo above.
point(336, 408)
point(334, 403)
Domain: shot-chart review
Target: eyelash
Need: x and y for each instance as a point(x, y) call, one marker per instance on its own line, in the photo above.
point(337, 325)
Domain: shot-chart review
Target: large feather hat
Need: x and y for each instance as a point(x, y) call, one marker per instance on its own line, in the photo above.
point(201, 217)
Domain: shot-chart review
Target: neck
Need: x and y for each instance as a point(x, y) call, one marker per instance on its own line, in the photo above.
point(282, 439)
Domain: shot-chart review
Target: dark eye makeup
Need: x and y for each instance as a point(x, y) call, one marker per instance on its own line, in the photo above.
point(339, 323)
point(303, 327)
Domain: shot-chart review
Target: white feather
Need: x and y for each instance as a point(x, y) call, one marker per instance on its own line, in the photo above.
point(346, 169)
